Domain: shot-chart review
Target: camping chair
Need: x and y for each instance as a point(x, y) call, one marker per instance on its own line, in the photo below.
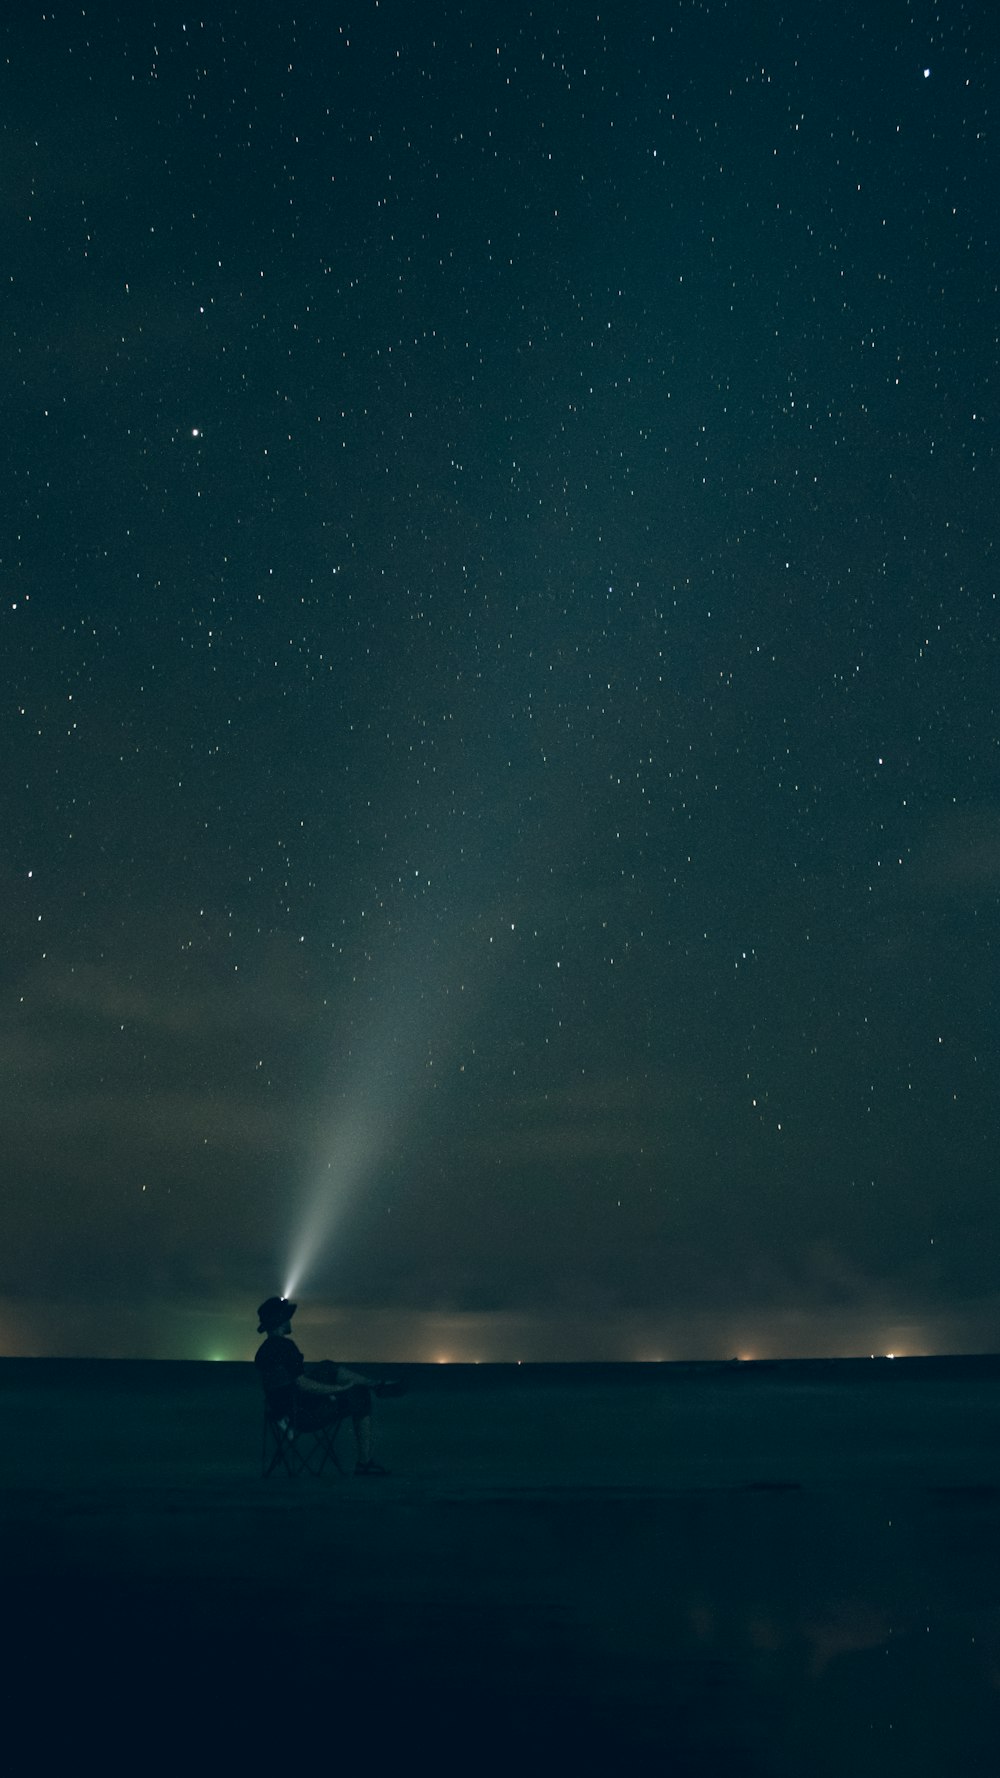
point(300, 1450)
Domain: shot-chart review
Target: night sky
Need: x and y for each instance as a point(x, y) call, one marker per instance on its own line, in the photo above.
point(501, 824)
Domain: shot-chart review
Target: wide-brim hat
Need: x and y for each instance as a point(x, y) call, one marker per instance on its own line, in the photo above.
point(272, 1313)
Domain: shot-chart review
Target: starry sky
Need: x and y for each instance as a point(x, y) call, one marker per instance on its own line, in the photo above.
point(499, 632)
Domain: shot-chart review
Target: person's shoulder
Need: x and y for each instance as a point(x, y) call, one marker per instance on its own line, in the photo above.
point(278, 1349)
point(271, 1351)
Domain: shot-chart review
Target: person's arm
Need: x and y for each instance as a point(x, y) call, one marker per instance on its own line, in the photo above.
point(348, 1377)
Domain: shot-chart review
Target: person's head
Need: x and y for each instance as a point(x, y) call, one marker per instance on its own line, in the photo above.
point(275, 1316)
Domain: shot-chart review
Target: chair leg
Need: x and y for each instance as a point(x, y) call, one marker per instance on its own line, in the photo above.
point(310, 1450)
point(280, 1438)
point(322, 1449)
point(330, 1437)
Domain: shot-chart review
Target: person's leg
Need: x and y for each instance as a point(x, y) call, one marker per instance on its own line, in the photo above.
point(357, 1401)
point(362, 1424)
point(323, 1370)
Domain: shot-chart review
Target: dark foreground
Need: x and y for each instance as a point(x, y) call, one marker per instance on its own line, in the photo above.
point(784, 1572)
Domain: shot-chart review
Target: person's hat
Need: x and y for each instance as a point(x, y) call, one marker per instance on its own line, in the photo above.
point(272, 1313)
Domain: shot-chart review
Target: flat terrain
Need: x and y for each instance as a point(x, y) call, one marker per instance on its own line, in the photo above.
point(763, 1572)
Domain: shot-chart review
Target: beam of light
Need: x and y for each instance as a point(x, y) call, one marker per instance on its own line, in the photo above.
point(420, 973)
point(392, 1040)
point(350, 1150)
point(364, 1104)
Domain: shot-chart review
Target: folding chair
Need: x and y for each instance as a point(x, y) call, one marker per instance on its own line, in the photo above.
point(300, 1450)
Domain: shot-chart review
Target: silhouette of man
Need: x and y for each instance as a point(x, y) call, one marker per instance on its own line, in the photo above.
point(328, 1394)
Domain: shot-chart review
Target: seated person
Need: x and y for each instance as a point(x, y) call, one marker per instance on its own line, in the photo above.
point(314, 1400)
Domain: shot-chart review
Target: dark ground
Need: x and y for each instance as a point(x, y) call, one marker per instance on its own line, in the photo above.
point(763, 1572)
